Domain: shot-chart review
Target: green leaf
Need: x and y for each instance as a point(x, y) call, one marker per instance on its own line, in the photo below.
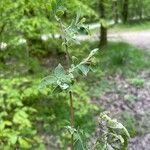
point(77, 17)
point(79, 145)
point(75, 60)
point(53, 5)
point(64, 86)
point(82, 20)
point(41, 147)
point(83, 30)
point(93, 52)
point(2, 125)
point(13, 138)
point(21, 117)
point(49, 80)
point(57, 90)
point(23, 143)
point(70, 129)
point(8, 123)
point(84, 69)
point(60, 11)
point(116, 133)
point(59, 71)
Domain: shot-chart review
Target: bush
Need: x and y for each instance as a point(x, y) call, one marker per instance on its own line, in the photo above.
point(28, 115)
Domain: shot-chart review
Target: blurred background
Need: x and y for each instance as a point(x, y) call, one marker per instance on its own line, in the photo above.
point(30, 48)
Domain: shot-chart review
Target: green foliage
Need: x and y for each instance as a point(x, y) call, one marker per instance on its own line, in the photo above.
point(62, 80)
point(59, 79)
point(78, 142)
point(132, 26)
point(116, 57)
point(17, 130)
point(123, 58)
point(24, 122)
point(113, 134)
point(137, 82)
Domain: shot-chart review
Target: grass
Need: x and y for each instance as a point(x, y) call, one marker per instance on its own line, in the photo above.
point(137, 82)
point(116, 57)
point(130, 123)
point(132, 26)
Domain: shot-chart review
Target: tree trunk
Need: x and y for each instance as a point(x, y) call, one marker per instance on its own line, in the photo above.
point(103, 29)
point(115, 10)
point(125, 11)
point(140, 10)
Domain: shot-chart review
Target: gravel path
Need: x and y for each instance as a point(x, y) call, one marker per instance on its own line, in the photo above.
point(140, 39)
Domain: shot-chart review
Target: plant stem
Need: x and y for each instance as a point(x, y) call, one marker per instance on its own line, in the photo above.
point(71, 116)
point(68, 58)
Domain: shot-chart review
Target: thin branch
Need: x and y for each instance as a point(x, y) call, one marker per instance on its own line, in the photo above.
point(65, 43)
point(70, 92)
point(2, 28)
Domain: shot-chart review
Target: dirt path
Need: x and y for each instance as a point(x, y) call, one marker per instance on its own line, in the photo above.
point(139, 38)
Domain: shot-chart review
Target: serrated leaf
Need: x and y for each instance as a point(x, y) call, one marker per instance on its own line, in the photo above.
point(64, 86)
point(84, 69)
point(59, 71)
point(79, 145)
point(57, 90)
point(49, 80)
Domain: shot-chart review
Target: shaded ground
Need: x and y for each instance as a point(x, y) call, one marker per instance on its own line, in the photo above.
point(134, 100)
point(131, 98)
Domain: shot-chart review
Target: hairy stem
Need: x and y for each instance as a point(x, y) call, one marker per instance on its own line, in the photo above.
point(68, 58)
point(71, 116)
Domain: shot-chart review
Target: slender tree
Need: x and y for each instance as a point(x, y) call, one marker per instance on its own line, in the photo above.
point(125, 11)
point(115, 11)
point(103, 27)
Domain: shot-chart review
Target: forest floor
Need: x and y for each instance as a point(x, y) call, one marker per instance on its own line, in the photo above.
point(141, 108)
point(130, 98)
point(130, 102)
